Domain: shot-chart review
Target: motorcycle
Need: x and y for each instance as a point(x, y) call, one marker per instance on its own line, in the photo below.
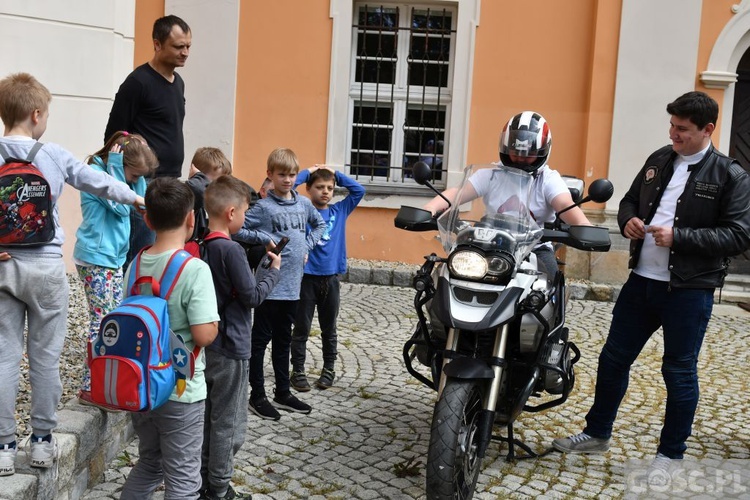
point(491, 323)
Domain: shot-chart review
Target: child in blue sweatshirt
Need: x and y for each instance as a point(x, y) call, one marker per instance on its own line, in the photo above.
point(320, 283)
point(281, 213)
point(103, 238)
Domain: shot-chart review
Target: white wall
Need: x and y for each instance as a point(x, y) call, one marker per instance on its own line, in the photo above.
point(656, 64)
point(210, 73)
point(80, 50)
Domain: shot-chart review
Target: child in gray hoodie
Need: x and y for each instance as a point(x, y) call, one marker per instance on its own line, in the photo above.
point(281, 213)
point(32, 276)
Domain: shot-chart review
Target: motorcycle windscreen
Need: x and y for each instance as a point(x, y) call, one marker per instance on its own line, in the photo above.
point(493, 203)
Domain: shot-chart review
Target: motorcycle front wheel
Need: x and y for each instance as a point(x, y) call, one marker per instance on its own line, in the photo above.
point(452, 462)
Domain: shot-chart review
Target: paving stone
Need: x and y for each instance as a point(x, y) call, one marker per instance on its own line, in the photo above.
point(350, 442)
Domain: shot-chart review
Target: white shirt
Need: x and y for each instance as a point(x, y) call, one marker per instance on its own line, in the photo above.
point(653, 262)
point(544, 188)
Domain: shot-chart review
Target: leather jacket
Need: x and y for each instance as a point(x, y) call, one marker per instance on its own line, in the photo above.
point(711, 221)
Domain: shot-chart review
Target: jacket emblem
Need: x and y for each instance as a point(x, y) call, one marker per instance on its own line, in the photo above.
point(650, 175)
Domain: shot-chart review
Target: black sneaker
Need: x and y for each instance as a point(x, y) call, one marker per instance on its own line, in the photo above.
point(230, 494)
point(326, 379)
point(298, 381)
point(287, 401)
point(264, 409)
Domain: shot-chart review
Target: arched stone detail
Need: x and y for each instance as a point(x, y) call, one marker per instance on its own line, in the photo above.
point(721, 73)
point(730, 45)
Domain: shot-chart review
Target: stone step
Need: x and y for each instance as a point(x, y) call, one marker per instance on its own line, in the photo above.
point(737, 283)
point(87, 440)
point(732, 296)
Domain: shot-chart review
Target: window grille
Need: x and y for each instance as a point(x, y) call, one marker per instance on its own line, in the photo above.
point(400, 92)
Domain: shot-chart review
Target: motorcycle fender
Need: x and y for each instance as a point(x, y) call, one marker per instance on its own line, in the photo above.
point(468, 368)
point(498, 313)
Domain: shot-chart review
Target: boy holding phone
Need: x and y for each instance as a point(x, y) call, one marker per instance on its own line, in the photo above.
point(282, 213)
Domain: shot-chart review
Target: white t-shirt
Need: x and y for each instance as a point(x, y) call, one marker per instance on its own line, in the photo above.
point(544, 188)
point(653, 262)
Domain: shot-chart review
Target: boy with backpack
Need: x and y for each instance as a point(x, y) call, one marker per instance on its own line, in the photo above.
point(282, 213)
point(33, 285)
point(170, 437)
point(207, 165)
point(227, 358)
point(320, 283)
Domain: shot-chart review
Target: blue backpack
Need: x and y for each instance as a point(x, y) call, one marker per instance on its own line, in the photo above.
point(136, 361)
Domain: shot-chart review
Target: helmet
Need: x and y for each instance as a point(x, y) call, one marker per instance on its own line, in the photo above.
point(526, 135)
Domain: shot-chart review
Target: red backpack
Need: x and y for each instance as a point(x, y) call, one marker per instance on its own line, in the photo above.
point(25, 201)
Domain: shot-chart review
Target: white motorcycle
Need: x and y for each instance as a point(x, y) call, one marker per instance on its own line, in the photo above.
point(491, 325)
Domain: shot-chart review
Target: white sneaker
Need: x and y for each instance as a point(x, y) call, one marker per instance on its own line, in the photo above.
point(8, 460)
point(43, 453)
point(660, 470)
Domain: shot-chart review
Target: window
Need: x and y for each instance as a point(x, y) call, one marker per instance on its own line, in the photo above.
point(400, 88)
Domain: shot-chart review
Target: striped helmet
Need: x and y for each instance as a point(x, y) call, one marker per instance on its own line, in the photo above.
point(528, 139)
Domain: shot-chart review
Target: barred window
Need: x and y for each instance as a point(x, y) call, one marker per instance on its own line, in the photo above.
point(400, 91)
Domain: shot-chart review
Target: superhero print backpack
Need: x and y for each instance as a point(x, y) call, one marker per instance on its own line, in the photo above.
point(25, 201)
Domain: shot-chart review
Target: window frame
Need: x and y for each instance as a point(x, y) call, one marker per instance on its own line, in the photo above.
point(390, 194)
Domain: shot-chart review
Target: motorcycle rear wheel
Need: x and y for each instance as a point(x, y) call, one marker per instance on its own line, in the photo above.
point(452, 462)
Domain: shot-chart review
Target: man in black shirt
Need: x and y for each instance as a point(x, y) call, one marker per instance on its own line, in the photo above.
point(151, 102)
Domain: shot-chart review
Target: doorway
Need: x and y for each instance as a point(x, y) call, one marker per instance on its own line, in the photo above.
point(739, 142)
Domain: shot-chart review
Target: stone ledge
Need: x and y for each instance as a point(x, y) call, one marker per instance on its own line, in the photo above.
point(88, 440)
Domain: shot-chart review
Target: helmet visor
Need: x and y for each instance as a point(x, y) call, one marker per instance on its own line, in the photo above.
point(522, 143)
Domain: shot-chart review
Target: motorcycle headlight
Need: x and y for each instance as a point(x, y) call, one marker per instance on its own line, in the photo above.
point(473, 265)
point(498, 266)
point(468, 264)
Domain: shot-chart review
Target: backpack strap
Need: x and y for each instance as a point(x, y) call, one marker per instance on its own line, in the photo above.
point(171, 274)
point(215, 235)
point(34, 150)
point(29, 158)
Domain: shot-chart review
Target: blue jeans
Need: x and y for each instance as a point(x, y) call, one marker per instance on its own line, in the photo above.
point(272, 324)
point(643, 306)
point(321, 292)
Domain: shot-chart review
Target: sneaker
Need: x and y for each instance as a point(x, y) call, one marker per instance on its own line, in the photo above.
point(43, 453)
point(230, 494)
point(287, 401)
point(581, 443)
point(8, 459)
point(298, 381)
point(264, 409)
point(326, 379)
point(661, 469)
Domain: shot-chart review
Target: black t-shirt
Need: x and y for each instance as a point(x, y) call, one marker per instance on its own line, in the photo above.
point(148, 104)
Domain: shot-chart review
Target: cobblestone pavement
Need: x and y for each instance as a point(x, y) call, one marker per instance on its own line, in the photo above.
point(367, 436)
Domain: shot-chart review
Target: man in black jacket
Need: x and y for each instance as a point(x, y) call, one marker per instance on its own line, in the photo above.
point(686, 212)
point(151, 102)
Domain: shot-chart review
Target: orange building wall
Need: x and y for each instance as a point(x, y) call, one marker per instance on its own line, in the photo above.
point(568, 75)
point(714, 16)
point(146, 12)
point(282, 84)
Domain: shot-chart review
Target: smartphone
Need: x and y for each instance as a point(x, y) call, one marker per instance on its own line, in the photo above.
point(279, 247)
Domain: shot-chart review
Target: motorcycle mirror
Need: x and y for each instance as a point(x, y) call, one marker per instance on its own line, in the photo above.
point(422, 173)
point(601, 190)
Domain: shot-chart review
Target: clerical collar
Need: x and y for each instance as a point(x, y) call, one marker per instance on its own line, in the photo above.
point(694, 158)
